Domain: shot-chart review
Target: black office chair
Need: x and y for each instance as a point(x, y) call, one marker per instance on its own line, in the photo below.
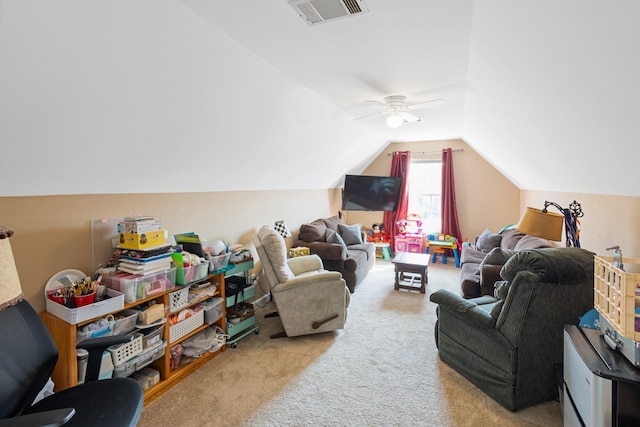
point(28, 356)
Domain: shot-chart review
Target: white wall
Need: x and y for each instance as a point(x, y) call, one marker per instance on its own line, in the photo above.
point(553, 93)
point(145, 97)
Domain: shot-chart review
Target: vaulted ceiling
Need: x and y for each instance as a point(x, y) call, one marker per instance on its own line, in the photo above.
point(245, 95)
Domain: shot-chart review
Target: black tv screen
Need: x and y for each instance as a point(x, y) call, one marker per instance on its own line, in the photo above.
point(370, 193)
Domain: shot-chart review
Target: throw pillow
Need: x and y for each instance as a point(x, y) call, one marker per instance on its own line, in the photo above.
point(488, 240)
point(496, 256)
point(351, 234)
point(312, 232)
point(333, 237)
point(276, 250)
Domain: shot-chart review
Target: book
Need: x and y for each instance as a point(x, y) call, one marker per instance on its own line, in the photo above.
point(139, 272)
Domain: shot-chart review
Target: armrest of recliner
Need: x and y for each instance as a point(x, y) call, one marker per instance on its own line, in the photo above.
point(52, 418)
point(489, 275)
point(467, 309)
point(321, 278)
point(303, 264)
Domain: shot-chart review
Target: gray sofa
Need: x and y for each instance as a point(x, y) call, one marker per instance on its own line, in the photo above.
point(480, 265)
point(343, 248)
point(508, 345)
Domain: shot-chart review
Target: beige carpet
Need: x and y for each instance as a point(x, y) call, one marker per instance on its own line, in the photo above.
point(381, 370)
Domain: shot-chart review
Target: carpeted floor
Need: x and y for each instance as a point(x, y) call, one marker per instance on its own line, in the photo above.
point(381, 370)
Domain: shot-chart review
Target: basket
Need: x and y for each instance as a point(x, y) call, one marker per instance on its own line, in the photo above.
point(122, 352)
point(617, 295)
point(219, 261)
point(140, 361)
point(125, 324)
point(186, 326)
point(178, 300)
point(193, 273)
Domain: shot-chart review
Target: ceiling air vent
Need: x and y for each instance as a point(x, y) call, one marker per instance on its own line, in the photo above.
point(316, 12)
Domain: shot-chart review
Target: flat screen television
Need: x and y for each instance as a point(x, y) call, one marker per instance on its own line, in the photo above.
point(370, 193)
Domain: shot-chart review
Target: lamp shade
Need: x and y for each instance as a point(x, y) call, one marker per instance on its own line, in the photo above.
point(546, 225)
point(10, 289)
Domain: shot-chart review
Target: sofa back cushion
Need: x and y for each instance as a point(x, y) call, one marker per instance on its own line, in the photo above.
point(313, 232)
point(531, 242)
point(510, 238)
point(332, 222)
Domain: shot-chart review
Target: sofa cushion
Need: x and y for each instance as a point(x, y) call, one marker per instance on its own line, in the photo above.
point(496, 256)
point(332, 222)
point(532, 242)
point(470, 255)
point(313, 232)
point(510, 238)
point(333, 237)
point(351, 234)
point(488, 240)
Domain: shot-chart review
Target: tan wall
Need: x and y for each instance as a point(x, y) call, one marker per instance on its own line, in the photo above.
point(485, 198)
point(607, 220)
point(54, 233)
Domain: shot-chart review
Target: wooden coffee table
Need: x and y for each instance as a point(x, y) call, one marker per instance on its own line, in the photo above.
point(414, 265)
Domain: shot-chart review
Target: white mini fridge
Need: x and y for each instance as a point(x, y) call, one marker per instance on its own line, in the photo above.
point(601, 387)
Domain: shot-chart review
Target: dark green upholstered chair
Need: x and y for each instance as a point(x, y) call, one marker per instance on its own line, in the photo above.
point(508, 345)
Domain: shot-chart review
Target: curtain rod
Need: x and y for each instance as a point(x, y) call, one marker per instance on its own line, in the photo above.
point(423, 153)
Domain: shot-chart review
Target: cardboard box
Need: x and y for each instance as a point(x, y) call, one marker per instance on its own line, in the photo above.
point(151, 314)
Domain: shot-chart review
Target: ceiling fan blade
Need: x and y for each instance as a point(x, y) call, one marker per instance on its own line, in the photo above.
point(375, 102)
point(426, 104)
point(372, 115)
point(409, 118)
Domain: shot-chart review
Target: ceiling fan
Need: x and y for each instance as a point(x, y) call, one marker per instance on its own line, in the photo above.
point(398, 111)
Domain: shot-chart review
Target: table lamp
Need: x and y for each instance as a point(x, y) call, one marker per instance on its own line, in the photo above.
point(10, 289)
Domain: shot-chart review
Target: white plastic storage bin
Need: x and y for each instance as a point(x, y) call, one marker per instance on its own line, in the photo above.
point(114, 302)
point(212, 310)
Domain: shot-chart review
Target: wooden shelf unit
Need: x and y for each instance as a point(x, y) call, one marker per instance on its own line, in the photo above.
point(65, 374)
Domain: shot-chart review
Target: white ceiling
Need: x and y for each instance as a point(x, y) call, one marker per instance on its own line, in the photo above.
point(415, 48)
point(535, 87)
point(249, 94)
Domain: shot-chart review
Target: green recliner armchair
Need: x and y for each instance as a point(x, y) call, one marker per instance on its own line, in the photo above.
point(508, 345)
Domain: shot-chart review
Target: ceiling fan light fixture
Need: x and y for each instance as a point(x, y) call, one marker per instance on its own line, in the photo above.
point(394, 121)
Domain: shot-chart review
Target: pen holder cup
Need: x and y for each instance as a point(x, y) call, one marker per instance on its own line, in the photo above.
point(56, 298)
point(82, 300)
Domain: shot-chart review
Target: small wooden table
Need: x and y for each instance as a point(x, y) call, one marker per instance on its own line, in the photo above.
point(413, 264)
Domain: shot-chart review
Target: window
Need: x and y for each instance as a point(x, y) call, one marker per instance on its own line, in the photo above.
point(425, 186)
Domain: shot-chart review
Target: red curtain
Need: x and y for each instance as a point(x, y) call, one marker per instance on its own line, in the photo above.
point(400, 164)
point(449, 212)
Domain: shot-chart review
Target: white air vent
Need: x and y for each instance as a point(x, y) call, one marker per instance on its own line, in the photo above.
point(316, 12)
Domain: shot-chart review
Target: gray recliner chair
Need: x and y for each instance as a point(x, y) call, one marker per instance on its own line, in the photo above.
point(308, 299)
point(508, 345)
